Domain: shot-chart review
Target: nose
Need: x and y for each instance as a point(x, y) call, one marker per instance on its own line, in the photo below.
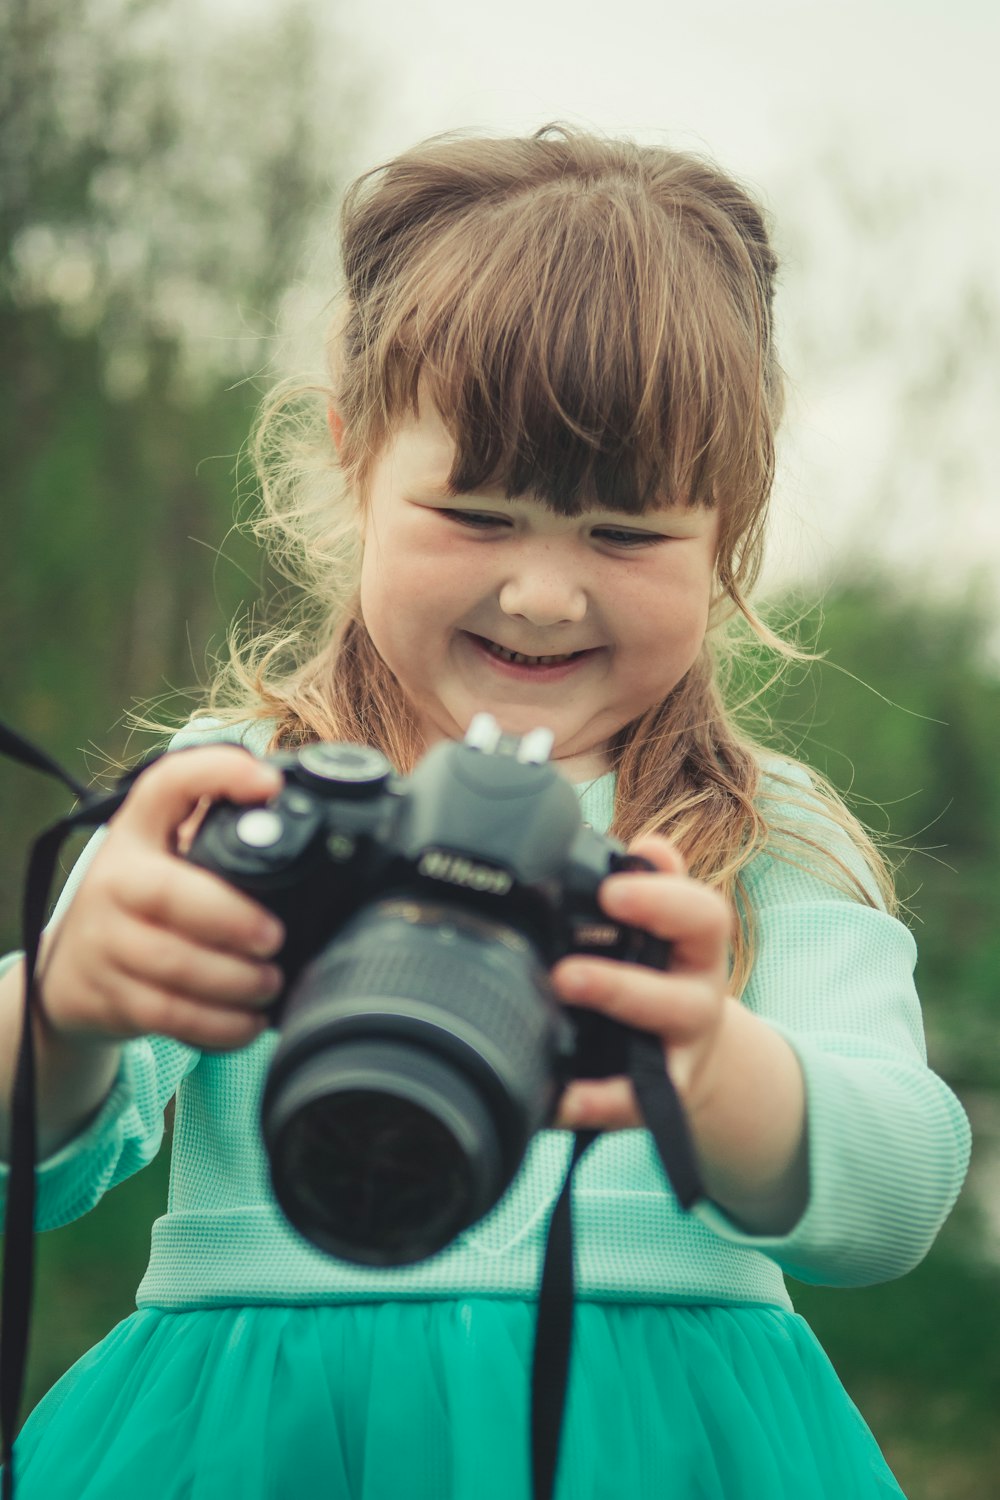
point(543, 588)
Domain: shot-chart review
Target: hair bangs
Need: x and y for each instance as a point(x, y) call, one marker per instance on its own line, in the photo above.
point(580, 350)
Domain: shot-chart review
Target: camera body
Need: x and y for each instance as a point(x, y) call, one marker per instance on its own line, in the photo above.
point(420, 1044)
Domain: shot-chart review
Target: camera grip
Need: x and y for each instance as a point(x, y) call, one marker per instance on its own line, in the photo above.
point(637, 946)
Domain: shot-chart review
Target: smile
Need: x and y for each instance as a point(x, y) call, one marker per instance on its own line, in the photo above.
point(519, 657)
point(521, 667)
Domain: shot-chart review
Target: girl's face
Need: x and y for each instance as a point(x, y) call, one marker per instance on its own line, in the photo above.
point(479, 603)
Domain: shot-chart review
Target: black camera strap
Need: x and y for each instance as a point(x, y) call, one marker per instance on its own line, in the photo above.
point(657, 1097)
point(666, 1121)
point(92, 810)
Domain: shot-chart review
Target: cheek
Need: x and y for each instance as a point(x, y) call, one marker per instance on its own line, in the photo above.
point(422, 568)
point(670, 624)
point(401, 592)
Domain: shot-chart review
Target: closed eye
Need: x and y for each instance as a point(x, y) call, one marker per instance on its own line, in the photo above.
point(475, 520)
point(630, 539)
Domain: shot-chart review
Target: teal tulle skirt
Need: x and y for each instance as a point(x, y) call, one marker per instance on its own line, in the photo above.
point(429, 1401)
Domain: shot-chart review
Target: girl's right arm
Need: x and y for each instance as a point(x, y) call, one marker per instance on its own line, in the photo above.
point(149, 944)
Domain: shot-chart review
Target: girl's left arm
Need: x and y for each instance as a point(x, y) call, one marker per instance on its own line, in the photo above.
point(824, 1138)
point(739, 1080)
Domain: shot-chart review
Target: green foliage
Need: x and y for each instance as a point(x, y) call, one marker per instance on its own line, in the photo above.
point(920, 1359)
point(157, 183)
point(116, 524)
point(901, 715)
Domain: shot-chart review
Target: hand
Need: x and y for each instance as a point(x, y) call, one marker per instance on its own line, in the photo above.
point(152, 944)
point(738, 1078)
point(685, 1005)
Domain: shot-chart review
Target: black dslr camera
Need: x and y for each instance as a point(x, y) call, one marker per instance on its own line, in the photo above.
point(421, 1046)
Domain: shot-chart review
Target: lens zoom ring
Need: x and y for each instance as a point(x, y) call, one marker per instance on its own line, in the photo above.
point(451, 981)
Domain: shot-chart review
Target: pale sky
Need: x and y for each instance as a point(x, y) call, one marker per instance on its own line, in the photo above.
point(750, 82)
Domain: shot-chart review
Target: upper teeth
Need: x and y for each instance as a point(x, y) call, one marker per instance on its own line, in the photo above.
point(531, 661)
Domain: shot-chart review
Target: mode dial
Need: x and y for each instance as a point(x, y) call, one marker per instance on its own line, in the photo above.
point(344, 770)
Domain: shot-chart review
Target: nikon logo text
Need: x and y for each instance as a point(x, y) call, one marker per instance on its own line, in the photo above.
point(455, 869)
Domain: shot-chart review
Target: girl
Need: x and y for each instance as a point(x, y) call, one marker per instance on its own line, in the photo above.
point(545, 459)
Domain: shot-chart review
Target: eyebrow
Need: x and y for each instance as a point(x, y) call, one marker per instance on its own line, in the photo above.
point(446, 495)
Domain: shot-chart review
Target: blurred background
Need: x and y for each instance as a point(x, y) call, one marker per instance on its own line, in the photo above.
point(168, 180)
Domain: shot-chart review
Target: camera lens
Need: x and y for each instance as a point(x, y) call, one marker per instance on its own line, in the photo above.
point(413, 1068)
point(384, 1151)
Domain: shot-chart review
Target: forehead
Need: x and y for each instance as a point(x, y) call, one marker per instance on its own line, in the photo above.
point(420, 453)
point(421, 445)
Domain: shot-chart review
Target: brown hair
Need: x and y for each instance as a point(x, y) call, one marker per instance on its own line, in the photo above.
point(593, 320)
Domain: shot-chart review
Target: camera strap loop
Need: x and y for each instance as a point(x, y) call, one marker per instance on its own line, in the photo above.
point(18, 1257)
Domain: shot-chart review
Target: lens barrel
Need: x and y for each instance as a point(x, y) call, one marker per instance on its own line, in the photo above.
point(415, 1064)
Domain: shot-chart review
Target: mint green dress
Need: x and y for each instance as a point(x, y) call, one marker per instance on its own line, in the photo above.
point(257, 1368)
point(428, 1400)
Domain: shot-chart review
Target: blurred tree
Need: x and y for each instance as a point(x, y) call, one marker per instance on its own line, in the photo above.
point(165, 175)
point(162, 164)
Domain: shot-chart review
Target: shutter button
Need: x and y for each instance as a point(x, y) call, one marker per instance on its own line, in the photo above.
point(260, 828)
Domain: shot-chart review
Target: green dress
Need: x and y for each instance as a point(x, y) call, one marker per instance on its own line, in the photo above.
point(429, 1400)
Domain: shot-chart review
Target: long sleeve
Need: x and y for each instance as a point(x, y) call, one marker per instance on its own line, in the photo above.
point(123, 1136)
point(888, 1141)
point(127, 1131)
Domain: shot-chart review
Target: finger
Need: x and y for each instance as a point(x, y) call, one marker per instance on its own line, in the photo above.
point(200, 906)
point(602, 1104)
point(166, 794)
point(150, 1011)
point(675, 1007)
point(150, 956)
point(661, 852)
point(695, 919)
